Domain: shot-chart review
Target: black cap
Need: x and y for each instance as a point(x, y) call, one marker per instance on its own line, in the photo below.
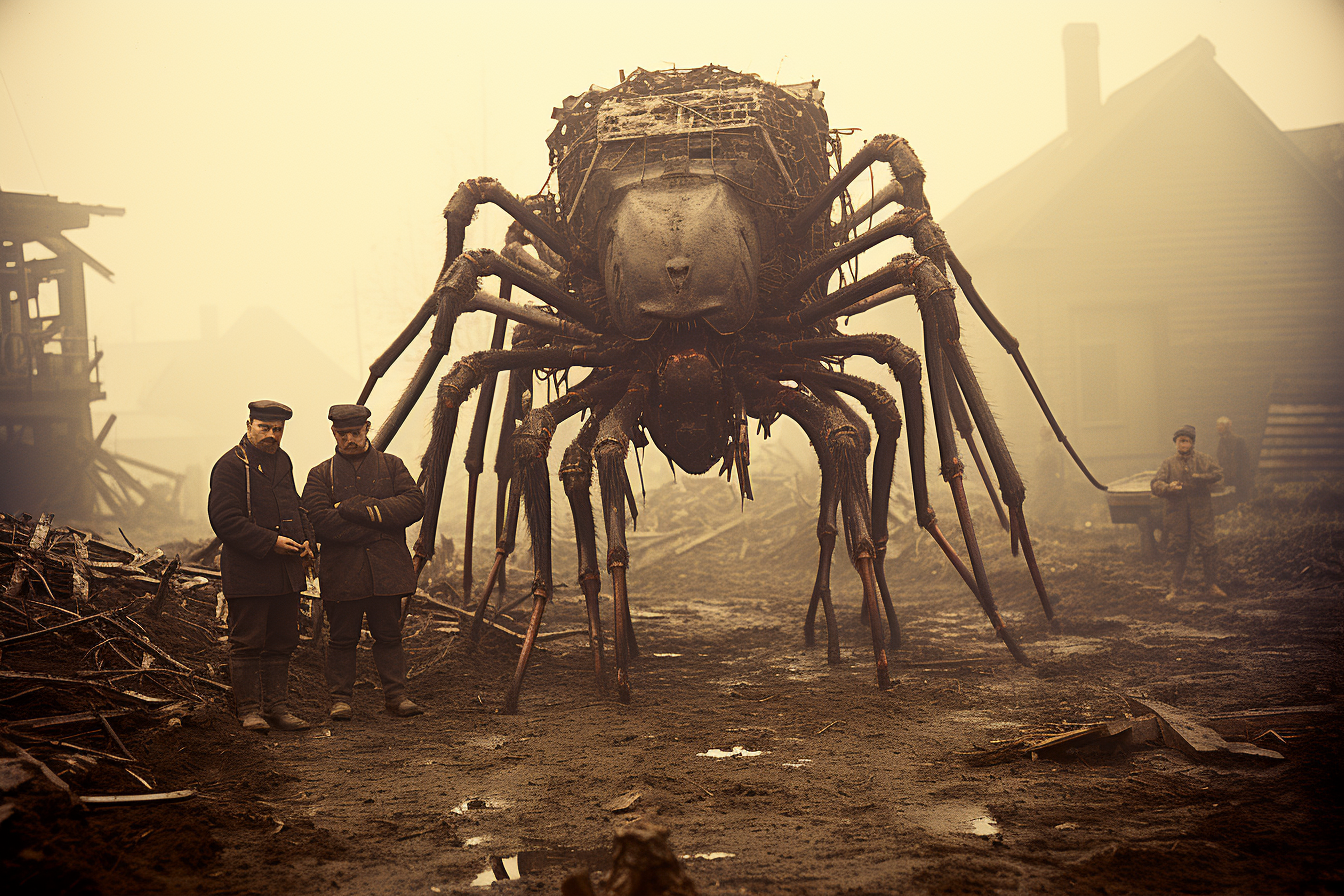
point(1186, 430)
point(347, 414)
point(268, 410)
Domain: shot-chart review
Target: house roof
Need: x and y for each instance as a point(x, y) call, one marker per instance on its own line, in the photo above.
point(1013, 204)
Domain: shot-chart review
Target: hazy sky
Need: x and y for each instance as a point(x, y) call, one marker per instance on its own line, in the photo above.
point(298, 155)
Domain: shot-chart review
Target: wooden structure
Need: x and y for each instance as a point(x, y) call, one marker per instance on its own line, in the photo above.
point(1167, 260)
point(50, 459)
point(48, 372)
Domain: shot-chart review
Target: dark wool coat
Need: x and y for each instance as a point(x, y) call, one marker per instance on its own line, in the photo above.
point(1188, 514)
point(364, 540)
point(248, 561)
point(1235, 461)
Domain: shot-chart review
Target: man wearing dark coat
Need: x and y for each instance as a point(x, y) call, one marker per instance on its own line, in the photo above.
point(360, 502)
point(1235, 460)
point(1185, 482)
point(267, 540)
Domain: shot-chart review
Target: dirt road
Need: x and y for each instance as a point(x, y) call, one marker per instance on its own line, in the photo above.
point(774, 771)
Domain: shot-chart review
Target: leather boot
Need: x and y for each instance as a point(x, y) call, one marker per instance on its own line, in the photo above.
point(1177, 575)
point(390, 660)
point(275, 695)
point(244, 677)
point(1210, 574)
point(340, 672)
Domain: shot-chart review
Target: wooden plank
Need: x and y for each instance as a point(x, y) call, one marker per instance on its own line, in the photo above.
point(1180, 731)
point(1185, 734)
point(131, 799)
point(1252, 723)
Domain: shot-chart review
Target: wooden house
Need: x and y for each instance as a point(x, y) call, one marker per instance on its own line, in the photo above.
point(1172, 258)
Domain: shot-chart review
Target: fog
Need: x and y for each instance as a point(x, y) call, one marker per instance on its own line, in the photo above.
point(284, 166)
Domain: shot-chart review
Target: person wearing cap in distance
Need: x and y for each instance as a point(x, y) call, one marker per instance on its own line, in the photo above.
point(360, 501)
point(1185, 482)
point(267, 541)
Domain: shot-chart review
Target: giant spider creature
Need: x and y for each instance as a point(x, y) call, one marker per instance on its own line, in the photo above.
point(685, 264)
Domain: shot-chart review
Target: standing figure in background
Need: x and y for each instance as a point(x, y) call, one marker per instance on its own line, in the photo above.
point(360, 501)
point(267, 541)
point(1185, 482)
point(1235, 461)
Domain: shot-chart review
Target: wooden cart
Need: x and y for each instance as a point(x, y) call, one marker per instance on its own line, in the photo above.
point(1131, 500)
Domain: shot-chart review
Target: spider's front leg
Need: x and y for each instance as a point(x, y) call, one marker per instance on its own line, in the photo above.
point(576, 472)
point(454, 389)
point(905, 367)
point(458, 214)
point(531, 445)
point(881, 406)
point(613, 445)
point(829, 426)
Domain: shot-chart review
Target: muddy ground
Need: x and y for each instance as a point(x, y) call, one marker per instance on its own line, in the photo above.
point(837, 787)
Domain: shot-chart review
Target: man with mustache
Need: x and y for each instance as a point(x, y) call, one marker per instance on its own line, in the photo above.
point(267, 541)
point(360, 501)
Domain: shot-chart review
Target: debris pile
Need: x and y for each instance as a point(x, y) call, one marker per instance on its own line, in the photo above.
point(96, 637)
point(1219, 736)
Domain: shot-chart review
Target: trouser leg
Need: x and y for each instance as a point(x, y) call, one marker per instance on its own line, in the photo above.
point(247, 636)
point(384, 615)
point(282, 637)
point(1178, 564)
point(344, 621)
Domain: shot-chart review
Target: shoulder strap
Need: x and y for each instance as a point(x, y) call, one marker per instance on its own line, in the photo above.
point(331, 472)
point(241, 454)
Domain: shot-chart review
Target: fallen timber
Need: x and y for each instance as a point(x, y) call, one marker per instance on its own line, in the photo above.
point(96, 636)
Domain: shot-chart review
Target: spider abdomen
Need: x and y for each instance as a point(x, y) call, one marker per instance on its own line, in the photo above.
point(688, 416)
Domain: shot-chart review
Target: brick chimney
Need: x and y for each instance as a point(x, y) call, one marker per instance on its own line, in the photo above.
point(1082, 76)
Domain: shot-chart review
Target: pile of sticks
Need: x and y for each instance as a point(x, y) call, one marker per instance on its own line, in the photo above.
point(91, 632)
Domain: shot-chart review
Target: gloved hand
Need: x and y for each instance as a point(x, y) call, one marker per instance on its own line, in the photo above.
point(361, 509)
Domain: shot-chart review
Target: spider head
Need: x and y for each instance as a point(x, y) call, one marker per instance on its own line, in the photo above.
point(680, 248)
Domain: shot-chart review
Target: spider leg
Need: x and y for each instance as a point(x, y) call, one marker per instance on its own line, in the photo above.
point(506, 507)
point(941, 324)
point(1010, 345)
point(546, 264)
point(458, 215)
point(613, 445)
point(904, 364)
point(914, 223)
point(821, 588)
point(905, 168)
point(828, 425)
point(962, 419)
point(531, 445)
point(454, 388)
point(576, 472)
point(876, 527)
point(457, 292)
point(952, 471)
point(475, 459)
point(881, 406)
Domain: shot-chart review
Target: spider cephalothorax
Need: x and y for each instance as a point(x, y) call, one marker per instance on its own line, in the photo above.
point(686, 262)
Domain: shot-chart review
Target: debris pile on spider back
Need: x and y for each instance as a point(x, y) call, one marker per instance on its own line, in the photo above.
point(771, 142)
